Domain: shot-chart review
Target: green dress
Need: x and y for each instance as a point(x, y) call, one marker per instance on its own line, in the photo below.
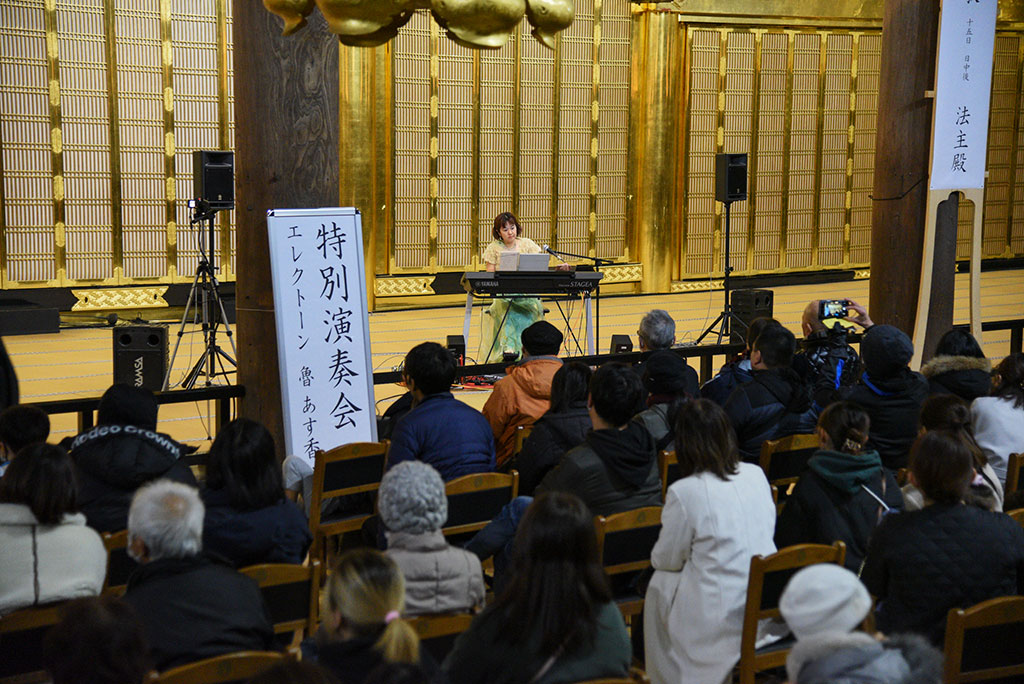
point(518, 313)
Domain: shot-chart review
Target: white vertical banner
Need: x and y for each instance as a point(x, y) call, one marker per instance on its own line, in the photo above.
point(963, 88)
point(323, 330)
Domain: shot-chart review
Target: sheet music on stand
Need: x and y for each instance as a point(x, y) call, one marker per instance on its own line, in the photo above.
point(510, 260)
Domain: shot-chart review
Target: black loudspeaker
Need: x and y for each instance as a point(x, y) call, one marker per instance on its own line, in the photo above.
point(456, 344)
point(140, 355)
point(621, 344)
point(748, 305)
point(213, 178)
point(730, 177)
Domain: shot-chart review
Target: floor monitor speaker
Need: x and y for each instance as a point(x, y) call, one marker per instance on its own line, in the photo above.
point(140, 355)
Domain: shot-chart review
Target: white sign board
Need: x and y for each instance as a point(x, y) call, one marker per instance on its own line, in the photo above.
point(323, 330)
point(963, 86)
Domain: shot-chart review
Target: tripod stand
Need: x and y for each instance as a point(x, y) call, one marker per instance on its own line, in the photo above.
point(725, 319)
point(204, 301)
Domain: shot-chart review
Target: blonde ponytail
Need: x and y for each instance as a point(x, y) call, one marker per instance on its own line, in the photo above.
point(368, 591)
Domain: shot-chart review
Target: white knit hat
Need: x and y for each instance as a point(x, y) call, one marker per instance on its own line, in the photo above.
point(824, 598)
point(412, 499)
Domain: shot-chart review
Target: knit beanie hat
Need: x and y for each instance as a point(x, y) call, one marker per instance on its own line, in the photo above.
point(824, 598)
point(665, 373)
point(411, 498)
point(541, 339)
point(126, 405)
point(886, 350)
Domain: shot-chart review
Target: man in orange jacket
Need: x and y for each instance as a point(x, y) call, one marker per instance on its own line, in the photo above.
point(524, 395)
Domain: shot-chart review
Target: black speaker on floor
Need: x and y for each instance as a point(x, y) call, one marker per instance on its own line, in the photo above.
point(730, 177)
point(621, 344)
point(456, 344)
point(748, 305)
point(140, 355)
point(213, 178)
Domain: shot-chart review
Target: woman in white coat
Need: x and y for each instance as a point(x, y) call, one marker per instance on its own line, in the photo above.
point(717, 516)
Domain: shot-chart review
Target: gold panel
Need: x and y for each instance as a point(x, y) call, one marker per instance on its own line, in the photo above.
point(622, 273)
point(613, 114)
point(403, 287)
point(120, 298)
point(696, 285)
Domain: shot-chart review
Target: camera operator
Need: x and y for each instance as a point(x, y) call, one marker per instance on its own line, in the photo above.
point(825, 351)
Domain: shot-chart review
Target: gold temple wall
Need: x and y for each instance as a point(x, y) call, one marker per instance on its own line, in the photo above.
point(102, 102)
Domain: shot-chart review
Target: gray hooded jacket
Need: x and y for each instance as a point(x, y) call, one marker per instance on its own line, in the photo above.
point(858, 658)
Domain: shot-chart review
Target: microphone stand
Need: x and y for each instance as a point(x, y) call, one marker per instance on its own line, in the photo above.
point(598, 262)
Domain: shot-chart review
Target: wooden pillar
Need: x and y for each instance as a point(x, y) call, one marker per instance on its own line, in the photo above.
point(909, 38)
point(286, 156)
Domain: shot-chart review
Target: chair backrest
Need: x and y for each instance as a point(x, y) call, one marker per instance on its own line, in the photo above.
point(668, 468)
point(784, 459)
point(1017, 514)
point(438, 632)
point(291, 592)
point(223, 669)
point(522, 432)
point(348, 469)
point(1013, 466)
point(119, 564)
point(473, 500)
point(985, 642)
point(21, 640)
point(625, 540)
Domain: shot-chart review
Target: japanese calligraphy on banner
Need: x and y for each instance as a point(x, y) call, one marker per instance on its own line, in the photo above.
point(323, 331)
point(963, 86)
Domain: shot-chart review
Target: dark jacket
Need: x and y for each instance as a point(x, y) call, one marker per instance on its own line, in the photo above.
point(197, 607)
point(112, 461)
point(965, 376)
point(774, 404)
point(352, 660)
point(553, 435)
point(612, 471)
point(454, 438)
point(273, 534)
point(829, 503)
point(8, 380)
point(692, 380)
point(825, 353)
point(921, 564)
point(732, 375)
point(894, 406)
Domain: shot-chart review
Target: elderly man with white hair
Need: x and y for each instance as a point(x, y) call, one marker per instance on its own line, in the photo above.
point(192, 605)
point(657, 331)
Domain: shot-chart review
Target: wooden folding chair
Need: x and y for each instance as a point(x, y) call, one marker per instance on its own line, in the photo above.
point(474, 500)
point(343, 471)
point(21, 643)
point(1018, 515)
point(624, 544)
point(120, 565)
point(668, 468)
point(768, 577)
point(1013, 466)
point(223, 669)
point(985, 642)
point(783, 460)
point(438, 632)
point(522, 432)
point(291, 593)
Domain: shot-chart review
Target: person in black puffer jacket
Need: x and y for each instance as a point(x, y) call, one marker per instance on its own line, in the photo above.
point(845, 491)
point(564, 426)
point(123, 452)
point(775, 403)
point(737, 371)
point(947, 555)
point(825, 350)
point(959, 367)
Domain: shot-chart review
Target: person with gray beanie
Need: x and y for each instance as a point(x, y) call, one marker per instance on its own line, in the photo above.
point(823, 605)
point(439, 578)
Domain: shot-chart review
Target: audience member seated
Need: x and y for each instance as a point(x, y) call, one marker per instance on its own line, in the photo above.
point(998, 419)
point(844, 492)
point(616, 468)
point(717, 516)
point(564, 426)
point(824, 605)
point(97, 641)
point(776, 402)
point(920, 564)
point(664, 379)
point(21, 425)
point(949, 412)
point(122, 453)
point(658, 332)
point(825, 351)
point(440, 430)
point(556, 621)
point(738, 371)
point(439, 578)
point(8, 379)
point(362, 626)
point(295, 672)
point(524, 394)
point(959, 367)
point(248, 520)
point(47, 553)
point(191, 605)
point(889, 391)
point(401, 673)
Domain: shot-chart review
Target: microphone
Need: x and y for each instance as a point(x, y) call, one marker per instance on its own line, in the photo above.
point(554, 254)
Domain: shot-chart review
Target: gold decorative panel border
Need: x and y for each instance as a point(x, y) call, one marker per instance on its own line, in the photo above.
point(403, 286)
point(96, 299)
point(622, 273)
